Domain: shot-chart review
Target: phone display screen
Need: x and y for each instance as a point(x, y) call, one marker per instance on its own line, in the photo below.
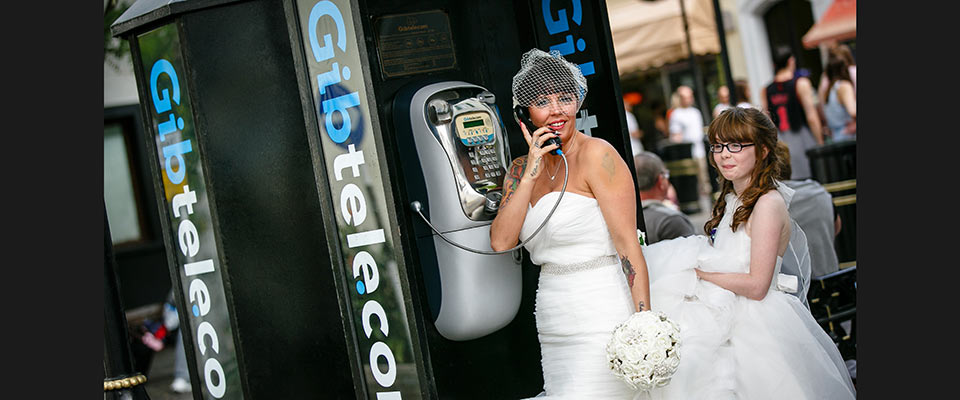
point(474, 128)
point(474, 123)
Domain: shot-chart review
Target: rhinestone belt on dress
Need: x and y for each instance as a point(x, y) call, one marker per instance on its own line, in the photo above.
point(563, 269)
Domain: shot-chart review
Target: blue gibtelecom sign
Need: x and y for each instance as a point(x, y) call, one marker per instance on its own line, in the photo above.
point(378, 325)
point(574, 29)
point(187, 207)
point(564, 24)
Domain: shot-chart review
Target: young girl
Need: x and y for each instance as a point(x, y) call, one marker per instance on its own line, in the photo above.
point(743, 336)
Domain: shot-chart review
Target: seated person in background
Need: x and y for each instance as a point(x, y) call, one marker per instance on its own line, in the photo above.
point(812, 208)
point(661, 217)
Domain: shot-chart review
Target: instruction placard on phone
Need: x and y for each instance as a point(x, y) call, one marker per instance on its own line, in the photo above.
point(414, 43)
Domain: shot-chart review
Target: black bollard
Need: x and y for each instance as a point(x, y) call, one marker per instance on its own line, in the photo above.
point(684, 175)
point(835, 166)
point(121, 381)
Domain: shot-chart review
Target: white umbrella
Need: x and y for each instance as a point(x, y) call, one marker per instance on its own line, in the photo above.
point(650, 34)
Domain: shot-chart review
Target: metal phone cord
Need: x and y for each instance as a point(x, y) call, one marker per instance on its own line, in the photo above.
point(417, 207)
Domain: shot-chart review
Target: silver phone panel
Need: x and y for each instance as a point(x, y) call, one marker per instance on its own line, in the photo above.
point(481, 294)
point(463, 155)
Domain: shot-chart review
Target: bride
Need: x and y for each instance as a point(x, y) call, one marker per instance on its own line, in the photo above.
point(743, 336)
point(588, 243)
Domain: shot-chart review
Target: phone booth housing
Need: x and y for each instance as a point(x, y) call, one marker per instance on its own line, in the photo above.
point(285, 152)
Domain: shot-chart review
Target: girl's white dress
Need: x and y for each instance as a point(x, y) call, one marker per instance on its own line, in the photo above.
point(734, 347)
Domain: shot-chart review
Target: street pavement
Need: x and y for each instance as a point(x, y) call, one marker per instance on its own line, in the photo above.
point(700, 218)
point(160, 376)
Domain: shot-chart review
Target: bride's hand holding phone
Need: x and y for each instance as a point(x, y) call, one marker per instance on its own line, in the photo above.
point(538, 147)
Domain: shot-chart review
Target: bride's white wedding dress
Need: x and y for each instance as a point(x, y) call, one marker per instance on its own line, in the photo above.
point(734, 347)
point(581, 297)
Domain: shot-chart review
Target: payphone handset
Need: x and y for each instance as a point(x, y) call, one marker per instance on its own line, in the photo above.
point(522, 115)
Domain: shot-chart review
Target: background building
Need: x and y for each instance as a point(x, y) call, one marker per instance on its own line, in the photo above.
point(653, 57)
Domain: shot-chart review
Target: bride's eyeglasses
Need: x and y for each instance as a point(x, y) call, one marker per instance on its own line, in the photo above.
point(732, 147)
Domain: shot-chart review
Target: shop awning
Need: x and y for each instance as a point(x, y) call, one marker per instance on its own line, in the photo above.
point(838, 23)
point(648, 34)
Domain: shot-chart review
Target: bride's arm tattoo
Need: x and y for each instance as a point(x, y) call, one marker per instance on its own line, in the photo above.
point(629, 271)
point(536, 167)
point(510, 183)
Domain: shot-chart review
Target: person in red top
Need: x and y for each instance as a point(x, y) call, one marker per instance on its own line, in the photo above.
point(790, 102)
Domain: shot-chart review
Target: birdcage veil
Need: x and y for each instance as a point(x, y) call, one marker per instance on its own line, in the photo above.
point(543, 73)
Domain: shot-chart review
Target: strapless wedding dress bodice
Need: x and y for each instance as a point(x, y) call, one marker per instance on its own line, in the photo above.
point(575, 233)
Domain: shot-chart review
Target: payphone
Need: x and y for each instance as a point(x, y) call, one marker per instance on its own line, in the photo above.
point(460, 153)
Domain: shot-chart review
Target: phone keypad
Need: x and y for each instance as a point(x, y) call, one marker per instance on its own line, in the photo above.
point(485, 157)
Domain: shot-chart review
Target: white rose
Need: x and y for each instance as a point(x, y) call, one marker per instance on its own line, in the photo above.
point(645, 370)
point(673, 361)
point(657, 357)
point(624, 341)
point(642, 385)
point(650, 330)
point(620, 335)
point(615, 345)
point(641, 316)
point(645, 345)
point(661, 382)
point(663, 342)
point(618, 351)
point(617, 371)
point(635, 326)
point(612, 358)
point(636, 354)
point(618, 365)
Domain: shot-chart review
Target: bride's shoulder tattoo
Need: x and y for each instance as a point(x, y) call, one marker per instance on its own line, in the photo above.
point(608, 165)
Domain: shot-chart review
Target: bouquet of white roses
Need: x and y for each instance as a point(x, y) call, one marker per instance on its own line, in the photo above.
point(644, 351)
